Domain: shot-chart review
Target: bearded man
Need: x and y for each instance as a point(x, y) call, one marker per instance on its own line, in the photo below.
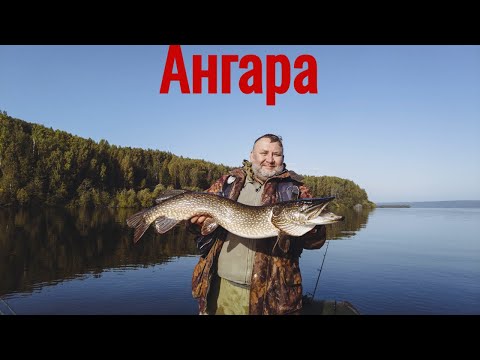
point(241, 276)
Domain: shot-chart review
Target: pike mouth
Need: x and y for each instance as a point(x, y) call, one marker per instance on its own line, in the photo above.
point(326, 218)
point(316, 207)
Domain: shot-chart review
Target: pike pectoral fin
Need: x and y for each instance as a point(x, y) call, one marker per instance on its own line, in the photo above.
point(167, 194)
point(292, 229)
point(163, 224)
point(208, 226)
point(283, 241)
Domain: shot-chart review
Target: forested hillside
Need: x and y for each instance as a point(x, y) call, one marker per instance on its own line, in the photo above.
point(39, 165)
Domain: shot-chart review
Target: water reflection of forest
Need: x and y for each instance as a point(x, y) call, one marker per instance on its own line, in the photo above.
point(48, 245)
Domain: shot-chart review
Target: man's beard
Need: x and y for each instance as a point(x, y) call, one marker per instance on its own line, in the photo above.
point(264, 174)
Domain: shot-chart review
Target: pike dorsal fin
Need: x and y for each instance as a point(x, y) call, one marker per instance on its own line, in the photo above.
point(167, 194)
point(163, 224)
point(208, 226)
point(283, 241)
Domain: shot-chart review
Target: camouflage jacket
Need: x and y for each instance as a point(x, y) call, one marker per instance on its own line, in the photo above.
point(276, 286)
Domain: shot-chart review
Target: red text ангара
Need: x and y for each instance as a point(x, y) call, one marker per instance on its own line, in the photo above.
point(251, 80)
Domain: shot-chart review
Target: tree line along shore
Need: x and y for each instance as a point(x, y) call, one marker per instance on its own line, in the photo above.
point(42, 166)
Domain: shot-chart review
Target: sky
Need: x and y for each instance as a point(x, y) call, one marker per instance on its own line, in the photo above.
point(402, 122)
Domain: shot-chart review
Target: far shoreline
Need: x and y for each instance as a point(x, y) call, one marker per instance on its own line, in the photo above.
point(393, 206)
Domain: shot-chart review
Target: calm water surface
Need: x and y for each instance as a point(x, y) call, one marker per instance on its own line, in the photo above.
point(387, 261)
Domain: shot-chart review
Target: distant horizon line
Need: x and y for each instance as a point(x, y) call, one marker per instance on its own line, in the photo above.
point(422, 201)
point(4, 112)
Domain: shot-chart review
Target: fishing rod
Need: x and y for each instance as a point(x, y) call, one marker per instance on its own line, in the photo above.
point(9, 308)
point(319, 273)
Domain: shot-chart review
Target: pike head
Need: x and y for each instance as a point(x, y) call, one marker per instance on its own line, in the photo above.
point(297, 217)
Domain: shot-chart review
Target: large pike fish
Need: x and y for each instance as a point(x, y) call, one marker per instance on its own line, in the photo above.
point(284, 219)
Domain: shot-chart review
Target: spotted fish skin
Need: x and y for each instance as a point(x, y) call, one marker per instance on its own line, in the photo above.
point(293, 218)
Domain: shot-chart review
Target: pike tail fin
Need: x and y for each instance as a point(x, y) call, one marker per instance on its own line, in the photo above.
point(138, 222)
